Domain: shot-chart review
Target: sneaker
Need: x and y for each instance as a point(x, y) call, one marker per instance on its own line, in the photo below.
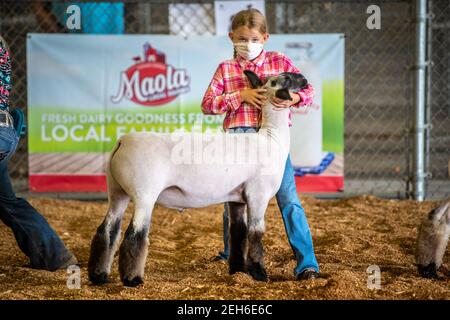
point(308, 274)
point(220, 257)
point(70, 262)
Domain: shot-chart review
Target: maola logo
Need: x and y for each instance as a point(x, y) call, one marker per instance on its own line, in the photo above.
point(151, 82)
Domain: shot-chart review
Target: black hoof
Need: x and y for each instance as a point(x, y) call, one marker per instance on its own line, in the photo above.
point(237, 266)
point(133, 282)
point(99, 278)
point(429, 271)
point(257, 271)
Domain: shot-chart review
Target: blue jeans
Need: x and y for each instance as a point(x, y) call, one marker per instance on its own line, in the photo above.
point(33, 234)
point(294, 218)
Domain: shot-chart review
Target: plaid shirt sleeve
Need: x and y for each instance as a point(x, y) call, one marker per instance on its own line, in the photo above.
point(307, 94)
point(215, 101)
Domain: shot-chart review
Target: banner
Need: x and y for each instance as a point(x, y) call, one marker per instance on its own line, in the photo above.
point(86, 91)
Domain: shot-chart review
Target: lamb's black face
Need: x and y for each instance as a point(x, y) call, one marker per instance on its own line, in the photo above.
point(280, 85)
point(288, 80)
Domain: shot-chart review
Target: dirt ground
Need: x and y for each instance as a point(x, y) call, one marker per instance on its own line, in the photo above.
point(349, 235)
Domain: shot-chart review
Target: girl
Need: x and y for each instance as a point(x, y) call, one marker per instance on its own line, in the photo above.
point(33, 234)
point(227, 93)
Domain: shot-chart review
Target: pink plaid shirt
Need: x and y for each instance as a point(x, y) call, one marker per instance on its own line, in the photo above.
point(223, 96)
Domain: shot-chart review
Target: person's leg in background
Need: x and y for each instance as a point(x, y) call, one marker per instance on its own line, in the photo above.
point(296, 225)
point(223, 255)
point(33, 234)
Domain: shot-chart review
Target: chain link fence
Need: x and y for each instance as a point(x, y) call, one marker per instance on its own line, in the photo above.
point(378, 73)
point(438, 101)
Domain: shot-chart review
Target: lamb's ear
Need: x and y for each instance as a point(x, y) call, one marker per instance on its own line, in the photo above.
point(298, 81)
point(254, 79)
point(283, 94)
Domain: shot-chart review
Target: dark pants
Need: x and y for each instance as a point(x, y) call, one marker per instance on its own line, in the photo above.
point(33, 234)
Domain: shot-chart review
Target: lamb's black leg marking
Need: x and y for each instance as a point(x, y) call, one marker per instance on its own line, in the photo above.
point(238, 236)
point(99, 247)
point(114, 233)
point(255, 263)
point(102, 251)
point(133, 253)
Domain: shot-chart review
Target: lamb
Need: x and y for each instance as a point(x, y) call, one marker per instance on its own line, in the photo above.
point(432, 240)
point(147, 169)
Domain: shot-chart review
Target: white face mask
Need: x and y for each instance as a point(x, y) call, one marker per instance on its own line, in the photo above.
point(248, 51)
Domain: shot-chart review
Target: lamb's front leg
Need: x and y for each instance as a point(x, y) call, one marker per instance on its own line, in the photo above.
point(134, 248)
point(238, 236)
point(255, 256)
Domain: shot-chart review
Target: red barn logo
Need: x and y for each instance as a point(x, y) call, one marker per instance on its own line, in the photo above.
point(151, 82)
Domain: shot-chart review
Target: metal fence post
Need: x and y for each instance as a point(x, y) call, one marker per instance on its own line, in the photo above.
point(429, 101)
point(419, 102)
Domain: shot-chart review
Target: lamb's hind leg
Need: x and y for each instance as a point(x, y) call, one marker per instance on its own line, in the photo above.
point(238, 236)
point(134, 248)
point(255, 255)
point(105, 242)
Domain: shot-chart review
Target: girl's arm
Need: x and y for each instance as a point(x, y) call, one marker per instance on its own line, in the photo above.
point(215, 101)
point(307, 94)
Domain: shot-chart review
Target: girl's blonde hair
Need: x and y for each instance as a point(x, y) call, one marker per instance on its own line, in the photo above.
point(251, 18)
